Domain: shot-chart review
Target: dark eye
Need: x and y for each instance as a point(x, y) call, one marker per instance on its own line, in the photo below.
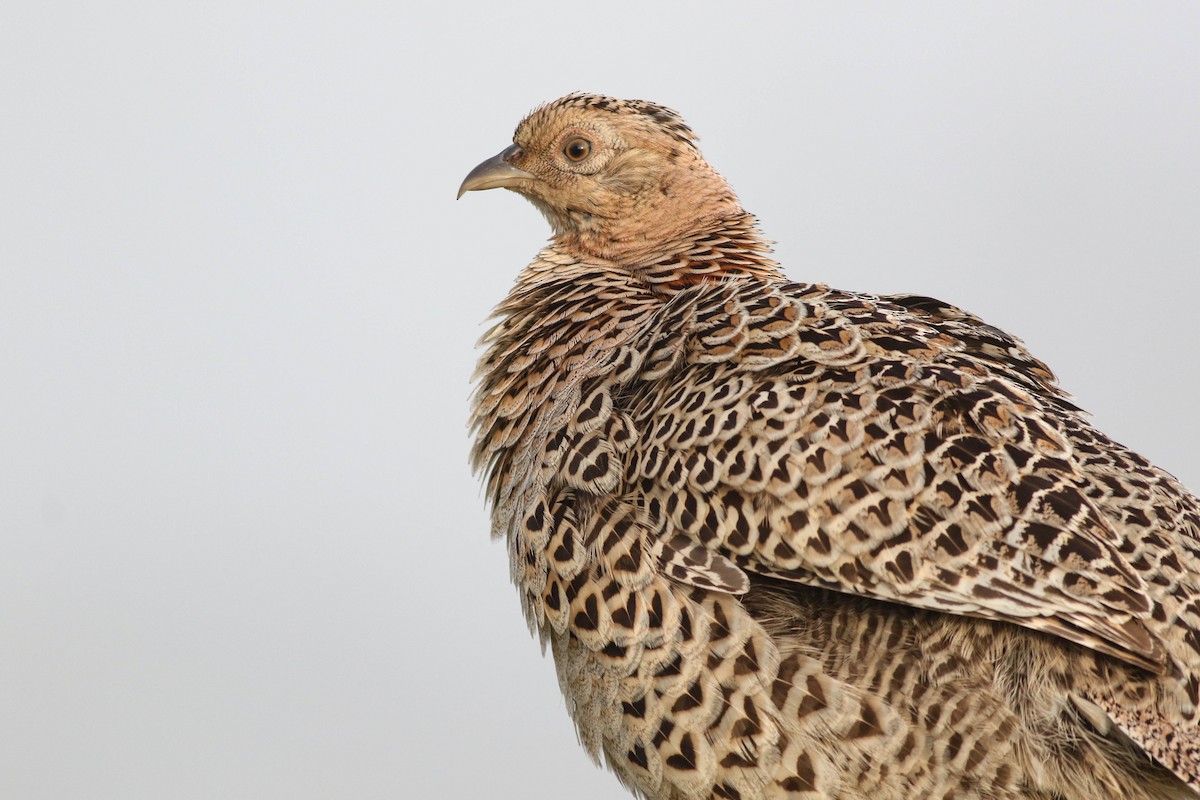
point(577, 149)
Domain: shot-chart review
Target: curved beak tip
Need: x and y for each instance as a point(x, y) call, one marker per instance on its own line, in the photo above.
point(496, 172)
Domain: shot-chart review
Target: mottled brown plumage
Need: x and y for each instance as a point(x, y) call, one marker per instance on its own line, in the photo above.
point(789, 541)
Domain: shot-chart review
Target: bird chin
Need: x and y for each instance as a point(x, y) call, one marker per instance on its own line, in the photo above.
point(560, 223)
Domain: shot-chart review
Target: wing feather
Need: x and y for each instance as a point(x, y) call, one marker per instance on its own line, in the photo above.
point(852, 443)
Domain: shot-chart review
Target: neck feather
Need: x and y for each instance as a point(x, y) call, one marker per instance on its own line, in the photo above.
point(707, 249)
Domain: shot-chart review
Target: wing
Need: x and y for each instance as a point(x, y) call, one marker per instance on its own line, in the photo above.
point(894, 448)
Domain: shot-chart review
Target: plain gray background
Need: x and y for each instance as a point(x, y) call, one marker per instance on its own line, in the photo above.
point(241, 553)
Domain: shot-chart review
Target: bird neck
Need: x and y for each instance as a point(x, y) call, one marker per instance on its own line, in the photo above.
point(717, 249)
point(655, 209)
point(672, 239)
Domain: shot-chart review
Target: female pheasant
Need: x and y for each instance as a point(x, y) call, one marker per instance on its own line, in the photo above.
point(789, 541)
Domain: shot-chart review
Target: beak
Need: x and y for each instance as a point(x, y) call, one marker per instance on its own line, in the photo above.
point(496, 172)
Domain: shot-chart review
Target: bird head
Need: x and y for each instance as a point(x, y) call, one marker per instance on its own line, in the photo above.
point(615, 178)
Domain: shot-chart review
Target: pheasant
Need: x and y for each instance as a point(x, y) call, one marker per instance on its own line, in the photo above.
point(789, 541)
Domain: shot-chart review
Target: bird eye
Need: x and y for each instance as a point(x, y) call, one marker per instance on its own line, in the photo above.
point(577, 149)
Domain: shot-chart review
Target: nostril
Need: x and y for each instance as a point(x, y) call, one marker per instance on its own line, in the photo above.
point(512, 152)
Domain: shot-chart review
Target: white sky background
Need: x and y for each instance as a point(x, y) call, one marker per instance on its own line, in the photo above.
point(241, 553)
